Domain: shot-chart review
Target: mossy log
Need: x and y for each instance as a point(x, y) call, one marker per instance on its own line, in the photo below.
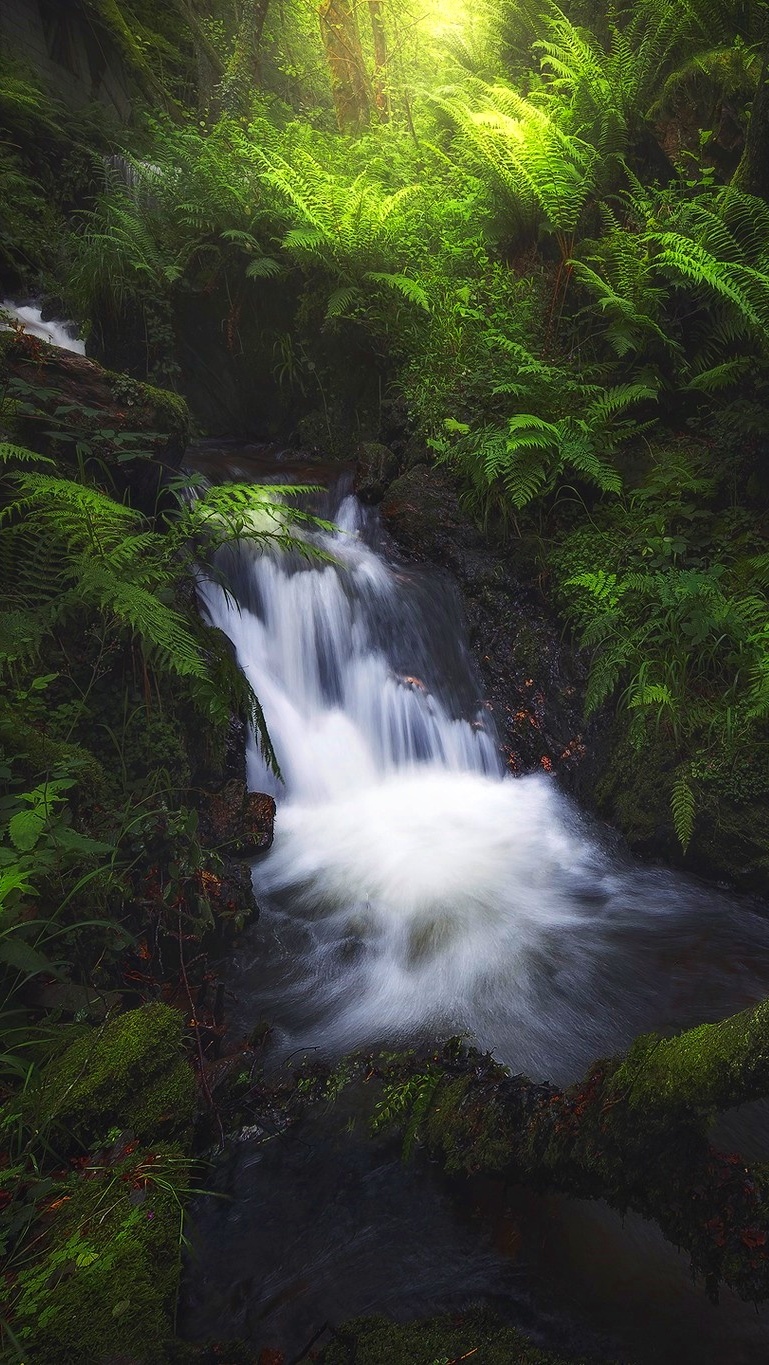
point(634, 1132)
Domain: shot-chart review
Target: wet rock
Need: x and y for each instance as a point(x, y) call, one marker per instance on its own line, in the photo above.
point(532, 683)
point(476, 1333)
point(421, 510)
point(135, 430)
point(375, 470)
point(238, 820)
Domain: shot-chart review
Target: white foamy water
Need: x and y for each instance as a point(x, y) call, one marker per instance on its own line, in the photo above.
point(413, 888)
point(63, 334)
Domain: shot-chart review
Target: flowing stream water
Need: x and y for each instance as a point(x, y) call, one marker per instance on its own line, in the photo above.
point(415, 890)
point(30, 318)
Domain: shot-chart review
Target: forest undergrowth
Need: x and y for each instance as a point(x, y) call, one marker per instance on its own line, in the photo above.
point(525, 242)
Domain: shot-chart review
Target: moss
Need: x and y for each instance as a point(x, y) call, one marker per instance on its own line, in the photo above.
point(162, 409)
point(477, 1334)
point(473, 1134)
point(41, 752)
point(634, 789)
point(7, 339)
point(131, 1074)
point(731, 831)
point(702, 1070)
point(731, 838)
point(106, 1281)
point(171, 408)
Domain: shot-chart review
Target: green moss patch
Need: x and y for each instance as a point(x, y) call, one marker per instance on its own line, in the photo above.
point(130, 1074)
point(106, 1280)
point(477, 1336)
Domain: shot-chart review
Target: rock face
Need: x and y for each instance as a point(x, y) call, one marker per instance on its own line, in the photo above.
point(533, 685)
point(67, 401)
point(238, 821)
point(375, 470)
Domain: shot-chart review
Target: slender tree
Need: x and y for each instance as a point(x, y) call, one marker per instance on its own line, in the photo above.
point(210, 65)
point(381, 97)
point(752, 174)
point(244, 72)
point(350, 83)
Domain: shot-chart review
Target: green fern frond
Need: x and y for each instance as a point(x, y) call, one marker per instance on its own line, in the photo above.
point(605, 672)
point(603, 587)
point(683, 806)
point(402, 284)
point(13, 454)
point(341, 302)
point(718, 377)
point(263, 268)
point(652, 694)
point(616, 400)
point(581, 456)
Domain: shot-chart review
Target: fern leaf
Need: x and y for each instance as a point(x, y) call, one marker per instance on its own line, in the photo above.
point(683, 806)
point(402, 284)
point(263, 268)
point(10, 453)
point(341, 302)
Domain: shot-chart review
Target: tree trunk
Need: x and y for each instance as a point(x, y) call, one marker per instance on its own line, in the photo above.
point(381, 97)
point(244, 73)
point(209, 61)
point(350, 85)
point(752, 174)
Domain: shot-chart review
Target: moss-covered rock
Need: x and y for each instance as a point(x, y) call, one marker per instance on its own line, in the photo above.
point(531, 682)
point(105, 1282)
point(436, 1341)
point(131, 429)
point(131, 1074)
point(632, 787)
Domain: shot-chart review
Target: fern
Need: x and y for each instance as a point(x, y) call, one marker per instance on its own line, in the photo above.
point(404, 285)
point(348, 228)
point(407, 1103)
point(683, 806)
point(75, 550)
point(263, 268)
point(14, 454)
point(718, 377)
point(658, 695)
point(342, 301)
point(545, 171)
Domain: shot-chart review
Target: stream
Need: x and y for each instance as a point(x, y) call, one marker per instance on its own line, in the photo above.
point(414, 890)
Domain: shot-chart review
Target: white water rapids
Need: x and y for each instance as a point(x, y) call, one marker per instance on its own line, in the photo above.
point(62, 334)
point(414, 889)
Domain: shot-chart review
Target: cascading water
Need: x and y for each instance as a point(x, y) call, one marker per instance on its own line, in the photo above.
point(414, 889)
point(62, 334)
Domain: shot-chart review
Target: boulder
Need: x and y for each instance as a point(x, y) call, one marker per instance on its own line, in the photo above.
point(69, 406)
point(532, 683)
point(375, 469)
point(237, 820)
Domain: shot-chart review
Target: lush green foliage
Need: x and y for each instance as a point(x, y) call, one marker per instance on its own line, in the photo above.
point(533, 266)
point(539, 264)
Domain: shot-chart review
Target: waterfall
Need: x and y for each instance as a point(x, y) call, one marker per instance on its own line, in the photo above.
point(63, 334)
point(415, 888)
